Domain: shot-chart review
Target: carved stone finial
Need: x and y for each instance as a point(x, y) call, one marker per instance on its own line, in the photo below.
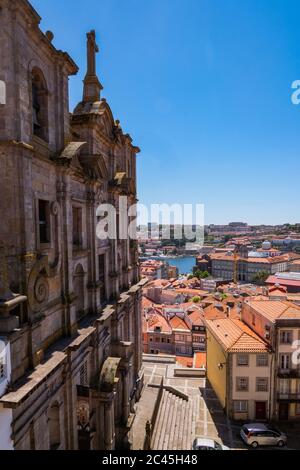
point(49, 35)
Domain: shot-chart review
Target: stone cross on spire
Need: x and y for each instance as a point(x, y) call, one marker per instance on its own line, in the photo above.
point(92, 50)
point(92, 86)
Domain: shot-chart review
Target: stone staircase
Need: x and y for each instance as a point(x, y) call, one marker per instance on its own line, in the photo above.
point(175, 426)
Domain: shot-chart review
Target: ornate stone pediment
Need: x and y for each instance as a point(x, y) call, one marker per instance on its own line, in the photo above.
point(69, 156)
point(94, 166)
point(122, 184)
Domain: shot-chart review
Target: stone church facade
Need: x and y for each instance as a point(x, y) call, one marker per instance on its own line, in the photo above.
point(70, 322)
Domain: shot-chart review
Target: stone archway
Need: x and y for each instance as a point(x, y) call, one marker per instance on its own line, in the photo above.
point(105, 398)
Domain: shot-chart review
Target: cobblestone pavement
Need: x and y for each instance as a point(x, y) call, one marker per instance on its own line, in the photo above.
point(211, 421)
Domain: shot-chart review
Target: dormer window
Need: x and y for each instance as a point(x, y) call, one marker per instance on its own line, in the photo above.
point(39, 105)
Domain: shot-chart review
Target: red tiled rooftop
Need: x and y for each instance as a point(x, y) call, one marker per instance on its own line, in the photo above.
point(178, 324)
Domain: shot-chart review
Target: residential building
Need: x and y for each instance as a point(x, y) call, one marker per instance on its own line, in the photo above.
point(278, 323)
point(295, 266)
point(152, 269)
point(289, 280)
point(174, 329)
point(72, 370)
point(239, 365)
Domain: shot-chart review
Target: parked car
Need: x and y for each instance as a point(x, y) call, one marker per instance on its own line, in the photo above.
point(203, 443)
point(261, 434)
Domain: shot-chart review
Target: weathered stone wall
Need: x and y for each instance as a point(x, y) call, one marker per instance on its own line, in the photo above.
point(60, 349)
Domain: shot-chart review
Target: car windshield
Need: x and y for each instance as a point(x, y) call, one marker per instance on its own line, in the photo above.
point(274, 428)
point(218, 446)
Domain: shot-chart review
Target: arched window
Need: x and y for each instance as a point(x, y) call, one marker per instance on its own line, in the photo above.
point(39, 105)
point(79, 290)
point(54, 426)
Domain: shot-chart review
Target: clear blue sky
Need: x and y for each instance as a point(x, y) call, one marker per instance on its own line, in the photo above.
point(204, 88)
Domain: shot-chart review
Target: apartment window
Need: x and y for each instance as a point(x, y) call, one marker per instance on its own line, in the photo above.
point(297, 408)
point(44, 221)
point(163, 340)
point(158, 329)
point(242, 384)
point(83, 375)
point(77, 226)
point(181, 338)
point(242, 360)
point(285, 361)
point(261, 384)
point(286, 337)
point(240, 406)
point(150, 339)
point(262, 360)
point(284, 386)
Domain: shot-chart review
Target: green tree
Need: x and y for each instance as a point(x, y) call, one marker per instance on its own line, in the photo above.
point(196, 299)
point(260, 278)
point(201, 274)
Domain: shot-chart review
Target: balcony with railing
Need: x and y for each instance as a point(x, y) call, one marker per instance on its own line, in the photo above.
point(289, 397)
point(291, 373)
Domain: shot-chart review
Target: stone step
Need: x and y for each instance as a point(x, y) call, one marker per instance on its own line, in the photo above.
point(176, 423)
point(166, 425)
point(159, 421)
point(170, 436)
point(170, 424)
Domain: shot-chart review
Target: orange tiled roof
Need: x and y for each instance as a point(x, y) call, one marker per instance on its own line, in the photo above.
point(275, 309)
point(193, 292)
point(196, 317)
point(268, 260)
point(178, 324)
point(235, 336)
point(157, 321)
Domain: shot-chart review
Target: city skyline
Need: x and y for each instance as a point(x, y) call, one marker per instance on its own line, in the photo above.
point(207, 100)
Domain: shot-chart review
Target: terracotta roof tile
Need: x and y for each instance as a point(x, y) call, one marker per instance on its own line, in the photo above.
point(235, 336)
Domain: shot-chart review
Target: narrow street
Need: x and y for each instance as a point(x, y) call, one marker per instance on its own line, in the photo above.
point(180, 420)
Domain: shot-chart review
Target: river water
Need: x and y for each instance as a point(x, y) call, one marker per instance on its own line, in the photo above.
point(185, 265)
